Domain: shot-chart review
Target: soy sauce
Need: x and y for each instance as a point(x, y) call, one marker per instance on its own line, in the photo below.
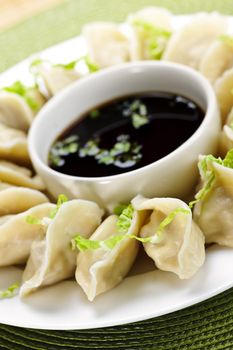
point(125, 134)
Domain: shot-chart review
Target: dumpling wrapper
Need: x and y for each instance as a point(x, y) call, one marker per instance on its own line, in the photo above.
point(213, 214)
point(226, 136)
point(216, 60)
point(157, 17)
point(223, 89)
point(182, 247)
point(19, 176)
point(13, 145)
point(52, 260)
point(189, 44)
point(102, 269)
point(14, 200)
point(16, 235)
point(57, 78)
point(107, 46)
point(15, 112)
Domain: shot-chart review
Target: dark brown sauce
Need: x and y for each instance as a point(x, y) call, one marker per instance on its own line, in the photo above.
point(125, 134)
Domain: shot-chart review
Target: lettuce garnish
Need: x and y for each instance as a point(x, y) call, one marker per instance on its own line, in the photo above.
point(208, 175)
point(125, 219)
point(30, 219)
point(123, 225)
point(91, 66)
point(155, 38)
point(227, 39)
point(10, 292)
point(119, 209)
point(25, 92)
point(61, 200)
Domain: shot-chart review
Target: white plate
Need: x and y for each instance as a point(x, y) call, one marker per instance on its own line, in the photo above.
point(138, 297)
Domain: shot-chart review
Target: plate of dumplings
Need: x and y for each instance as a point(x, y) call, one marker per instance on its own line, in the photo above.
point(67, 264)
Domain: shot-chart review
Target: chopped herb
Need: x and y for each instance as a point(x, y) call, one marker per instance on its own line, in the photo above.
point(139, 120)
point(25, 92)
point(155, 38)
point(63, 148)
point(94, 114)
point(10, 291)
point(121, 154)
point(124, 223)
point(104, 157)
point(137, 111)
point(89, 149)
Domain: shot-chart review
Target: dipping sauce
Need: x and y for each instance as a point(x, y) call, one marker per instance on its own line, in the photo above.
point(125, 134)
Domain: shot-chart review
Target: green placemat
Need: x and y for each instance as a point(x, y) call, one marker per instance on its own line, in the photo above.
point(206, 326)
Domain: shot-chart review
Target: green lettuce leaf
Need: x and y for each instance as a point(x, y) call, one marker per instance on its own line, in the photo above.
point(208, 175)
point(25, 92)
point(155, 37)
point(125, 219)
point(110, 243)
point(61, 200)
point(10, 291)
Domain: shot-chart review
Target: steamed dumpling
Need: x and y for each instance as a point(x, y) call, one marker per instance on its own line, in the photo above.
point(52, 259)
point(13, 145)
point(107, 46)
point(217, 59)
point(226, 136)
point(150, 32)
point(15, 112)
point(16, 235)
point(213, 213)
point(19, 176)
point(189, 44)
point(223, 89)
point(102, 269)
point(57, 78)
point(14, 200)
point(181, 248)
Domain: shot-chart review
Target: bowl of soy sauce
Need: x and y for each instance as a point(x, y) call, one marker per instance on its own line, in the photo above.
point(134, 128)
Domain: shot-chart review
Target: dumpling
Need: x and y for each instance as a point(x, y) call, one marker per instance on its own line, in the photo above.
point(19, 176)
point(107, 46)
point(52, 259)
point(57, 78)
point(217, 59)
point(16, 235)
point(226, 136)
point(213, 213)
point(223, 89)
point(14, 200)
point(15, 110)
point(180, 245)
point(102, 269)
point(188, 45)
point(13, 145)
point(150, 32)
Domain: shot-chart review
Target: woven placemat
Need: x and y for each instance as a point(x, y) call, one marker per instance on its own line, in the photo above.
point(206, 326)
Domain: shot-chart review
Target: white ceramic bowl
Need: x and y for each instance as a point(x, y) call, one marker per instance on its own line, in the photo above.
point(173, 175)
